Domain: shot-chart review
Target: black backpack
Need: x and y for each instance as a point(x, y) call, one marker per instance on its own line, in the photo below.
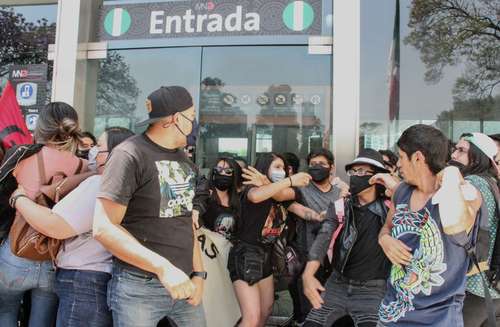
point(8, 183)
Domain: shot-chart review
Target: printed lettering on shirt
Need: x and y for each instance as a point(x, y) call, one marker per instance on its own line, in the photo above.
point(177, 188)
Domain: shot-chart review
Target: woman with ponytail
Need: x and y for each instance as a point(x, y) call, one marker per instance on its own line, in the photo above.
point(58, 131)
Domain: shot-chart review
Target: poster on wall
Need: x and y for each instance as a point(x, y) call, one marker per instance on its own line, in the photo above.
point(29, 82)
point(188, 19)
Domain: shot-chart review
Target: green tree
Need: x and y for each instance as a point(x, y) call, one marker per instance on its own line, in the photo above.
point(117, 89)
point(21, 41)
point(449, 32)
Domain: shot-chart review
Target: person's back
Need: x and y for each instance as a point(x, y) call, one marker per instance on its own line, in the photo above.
point(55, 161)
point(57, 128)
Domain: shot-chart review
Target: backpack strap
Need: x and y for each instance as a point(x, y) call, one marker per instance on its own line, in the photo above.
point(80, 166)
point(41, 168)
point(490, 309)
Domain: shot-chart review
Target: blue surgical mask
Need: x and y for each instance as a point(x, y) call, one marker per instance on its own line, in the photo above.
point(277, 175)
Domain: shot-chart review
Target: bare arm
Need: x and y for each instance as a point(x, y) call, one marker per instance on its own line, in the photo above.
point(395, 250)
point(107, 230)
point(196, 298)
point(305, 213)
point(43, 219)
point(312, 286)
point(264, 192)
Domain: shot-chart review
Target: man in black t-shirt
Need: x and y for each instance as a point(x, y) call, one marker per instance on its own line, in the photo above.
point(143, 217)
point(360, 268)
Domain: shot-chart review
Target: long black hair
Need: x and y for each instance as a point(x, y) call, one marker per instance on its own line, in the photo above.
point(234, 197)
point(116, 135)
point(479, 163)
point(265, 160)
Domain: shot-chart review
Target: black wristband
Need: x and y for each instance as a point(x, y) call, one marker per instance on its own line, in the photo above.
point(202, 274)
point(13, 200)
point(291, 184)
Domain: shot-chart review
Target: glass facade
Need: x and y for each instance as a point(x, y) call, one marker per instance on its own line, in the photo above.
point(251, 95)
point(429, 94)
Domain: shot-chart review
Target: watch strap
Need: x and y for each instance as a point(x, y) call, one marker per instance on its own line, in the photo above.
point(201, 274)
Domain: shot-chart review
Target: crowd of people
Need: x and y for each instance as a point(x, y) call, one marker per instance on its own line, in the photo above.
point(409, 241)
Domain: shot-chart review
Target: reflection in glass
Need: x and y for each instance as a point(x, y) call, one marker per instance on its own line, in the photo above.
point(446, 81)
point(127, 77)
point(276, 98)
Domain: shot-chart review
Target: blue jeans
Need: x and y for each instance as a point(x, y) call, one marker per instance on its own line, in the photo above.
point(82, 298)
point(139, 300)
point(18, 275)
point(360, 300)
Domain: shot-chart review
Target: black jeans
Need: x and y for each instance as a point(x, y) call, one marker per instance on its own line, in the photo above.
point(358, 299)
point(475, 314)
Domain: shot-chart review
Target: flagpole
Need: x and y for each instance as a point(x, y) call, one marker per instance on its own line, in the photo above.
point(394, 80)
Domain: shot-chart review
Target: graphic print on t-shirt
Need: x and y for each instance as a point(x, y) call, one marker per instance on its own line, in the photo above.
point(176, 188)
point(224, 224)
point(420, 232)
point(274, 225)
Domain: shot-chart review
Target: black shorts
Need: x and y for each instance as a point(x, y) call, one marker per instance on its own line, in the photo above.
point(249, 263)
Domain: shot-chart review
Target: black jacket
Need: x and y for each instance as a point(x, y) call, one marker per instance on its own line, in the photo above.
point(8, 183)
point(348, 235)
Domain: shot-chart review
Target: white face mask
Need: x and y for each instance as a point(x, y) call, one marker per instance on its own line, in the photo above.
point(93, 158)
point(277, 175)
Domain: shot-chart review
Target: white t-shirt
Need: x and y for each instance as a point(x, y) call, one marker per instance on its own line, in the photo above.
point(82, 252)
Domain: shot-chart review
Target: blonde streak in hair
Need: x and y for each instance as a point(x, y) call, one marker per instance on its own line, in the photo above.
point(70, 131)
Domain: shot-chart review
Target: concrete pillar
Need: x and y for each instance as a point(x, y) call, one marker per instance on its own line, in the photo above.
point(346, 81)
point(75, 76)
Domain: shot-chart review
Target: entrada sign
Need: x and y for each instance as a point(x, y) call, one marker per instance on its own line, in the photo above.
point(175, 19)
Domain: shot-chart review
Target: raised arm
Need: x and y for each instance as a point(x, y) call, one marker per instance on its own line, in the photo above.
point(279, 191)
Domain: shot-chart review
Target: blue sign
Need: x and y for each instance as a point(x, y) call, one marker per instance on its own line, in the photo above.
point(26, 91)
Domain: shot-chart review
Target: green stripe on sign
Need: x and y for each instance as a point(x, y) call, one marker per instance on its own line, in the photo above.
point(117, 22)
point(298, 16)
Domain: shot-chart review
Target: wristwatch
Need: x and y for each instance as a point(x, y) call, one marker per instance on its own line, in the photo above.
point(202, 274)
point(13, 200)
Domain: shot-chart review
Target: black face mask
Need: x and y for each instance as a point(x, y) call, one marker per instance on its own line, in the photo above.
point(319, 173)
point(358, 184)
point(84, 154)
point(222, 182)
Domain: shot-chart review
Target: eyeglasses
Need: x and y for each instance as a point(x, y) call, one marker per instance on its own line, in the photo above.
point(220, 170)
point(359, 172)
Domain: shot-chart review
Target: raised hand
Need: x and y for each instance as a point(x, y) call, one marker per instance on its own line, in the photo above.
point(254, 177)
point(300, 179)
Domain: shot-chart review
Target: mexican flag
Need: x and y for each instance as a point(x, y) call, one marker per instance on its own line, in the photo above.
point(394, 67)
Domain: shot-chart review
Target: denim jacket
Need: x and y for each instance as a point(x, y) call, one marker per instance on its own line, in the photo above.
point(348, 235)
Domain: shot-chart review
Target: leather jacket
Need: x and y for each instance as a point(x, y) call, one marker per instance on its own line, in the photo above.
point(348, 235)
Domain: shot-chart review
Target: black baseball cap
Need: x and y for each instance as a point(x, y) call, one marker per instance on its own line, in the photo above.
point(166, 101)
point(369, 157)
